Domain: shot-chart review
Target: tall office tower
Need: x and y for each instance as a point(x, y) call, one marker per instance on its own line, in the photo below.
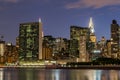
point(115, 37)
point(40, 39)
point(2, 51)
point(2, 48)
point(83, 56)
point(103, 46)
point(76, 35)
point(30, 41)
point(92, 33)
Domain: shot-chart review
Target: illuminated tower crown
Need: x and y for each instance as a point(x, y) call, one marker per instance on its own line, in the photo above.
point(91, 26)
point(92, 32)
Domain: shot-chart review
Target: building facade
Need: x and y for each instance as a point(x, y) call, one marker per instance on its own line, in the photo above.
point(2, 51)
point(30, 41)
point(11, 53)
point(115, 38)
point(59, 46)
point(48, 44)
point(47, 53)
point(83, 54)
point(108, 45)
point(78, 34)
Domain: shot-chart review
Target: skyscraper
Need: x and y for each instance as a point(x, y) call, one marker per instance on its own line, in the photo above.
point(40, 39)
point(92, 32)
point(2, 51)
point(115, 37)
point(78, 38)
point(91, 26)
point(30, 41)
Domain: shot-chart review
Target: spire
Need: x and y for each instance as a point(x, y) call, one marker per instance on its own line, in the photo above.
point(91, 26)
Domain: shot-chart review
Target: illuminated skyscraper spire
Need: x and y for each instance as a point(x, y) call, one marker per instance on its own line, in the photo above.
point(91, 26)
point(92, 33)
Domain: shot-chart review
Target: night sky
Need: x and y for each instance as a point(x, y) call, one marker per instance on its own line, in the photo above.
point(57, 16)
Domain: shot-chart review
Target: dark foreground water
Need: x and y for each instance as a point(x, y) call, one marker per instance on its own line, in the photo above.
point(58, 74)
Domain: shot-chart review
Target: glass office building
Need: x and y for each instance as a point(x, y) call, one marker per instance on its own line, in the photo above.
point(29, 41)
point(75, 37)
point(115, 33)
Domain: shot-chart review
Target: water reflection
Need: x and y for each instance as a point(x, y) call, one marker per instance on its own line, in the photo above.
point(98, 75)
point(29, 74)
point(85, 75)
point(1, 74)
point(55, 75)
point(10, 74)
point(58, 74)
point(40, 74)
point(113, 75)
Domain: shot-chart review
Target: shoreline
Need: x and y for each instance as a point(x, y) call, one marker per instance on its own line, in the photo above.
point(103, 67)
point(115, 67)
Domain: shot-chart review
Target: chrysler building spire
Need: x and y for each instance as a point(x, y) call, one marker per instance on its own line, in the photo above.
point(92, 33)
point(91, 26)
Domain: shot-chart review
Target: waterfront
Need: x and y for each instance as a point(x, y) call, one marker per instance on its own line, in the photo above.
point(58, 74)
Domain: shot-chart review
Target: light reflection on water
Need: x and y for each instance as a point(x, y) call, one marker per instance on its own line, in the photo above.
point(1, 73)
point(58, 74)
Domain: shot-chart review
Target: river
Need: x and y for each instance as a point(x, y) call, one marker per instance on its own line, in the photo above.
point(58, 74)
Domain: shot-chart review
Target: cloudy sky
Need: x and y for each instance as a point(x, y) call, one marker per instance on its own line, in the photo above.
point(57, 16)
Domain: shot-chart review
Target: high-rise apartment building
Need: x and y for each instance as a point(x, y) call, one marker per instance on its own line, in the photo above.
point(115, 37)
point(30, 41)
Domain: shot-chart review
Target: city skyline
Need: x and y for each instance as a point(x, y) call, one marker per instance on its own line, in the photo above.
point(58, 16)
